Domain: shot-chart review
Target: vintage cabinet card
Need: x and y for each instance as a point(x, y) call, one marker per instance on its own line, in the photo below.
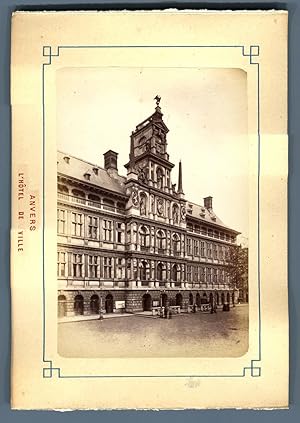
point(149, 210)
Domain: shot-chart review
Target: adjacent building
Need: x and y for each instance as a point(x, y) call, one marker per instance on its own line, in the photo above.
point(135, 243)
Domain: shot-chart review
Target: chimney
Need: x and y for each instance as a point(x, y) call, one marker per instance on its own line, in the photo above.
point(111, 162)
point(208, 203)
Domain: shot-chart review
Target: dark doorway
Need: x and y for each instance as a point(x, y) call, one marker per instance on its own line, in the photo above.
point(222, 298)
point(78, 305)
point(109, 303)
point(218, 299)
point(94, 304)
point(179, 300)
point(62, 306)
point(147, 302)
point(233, 298)
point(211, 298)
point(191, 299)
point(228, 298)
point(164, 300)
point(198, 300)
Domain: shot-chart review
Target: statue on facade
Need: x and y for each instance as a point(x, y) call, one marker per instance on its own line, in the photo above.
point(175, 213)
point(143, 205)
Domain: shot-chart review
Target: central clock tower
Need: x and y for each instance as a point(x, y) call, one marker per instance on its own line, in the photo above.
point(149, 172)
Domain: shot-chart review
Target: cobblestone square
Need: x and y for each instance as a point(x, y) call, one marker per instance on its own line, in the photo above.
point(224, 334)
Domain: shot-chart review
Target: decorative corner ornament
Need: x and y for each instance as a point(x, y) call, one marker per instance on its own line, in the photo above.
point(160, 207)
point(135, 197)
point(183, 213)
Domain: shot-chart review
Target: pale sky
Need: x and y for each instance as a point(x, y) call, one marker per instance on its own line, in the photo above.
point(204, 109)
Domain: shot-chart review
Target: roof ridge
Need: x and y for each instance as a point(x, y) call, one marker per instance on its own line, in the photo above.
point(87, 162)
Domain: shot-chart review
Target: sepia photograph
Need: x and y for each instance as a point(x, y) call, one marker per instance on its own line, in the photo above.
point(149, 175)
point(152, 219)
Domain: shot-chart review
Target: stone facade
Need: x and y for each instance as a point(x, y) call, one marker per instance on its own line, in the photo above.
point(133, 243)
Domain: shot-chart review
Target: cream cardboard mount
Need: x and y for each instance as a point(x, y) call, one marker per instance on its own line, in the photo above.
point(93, 284)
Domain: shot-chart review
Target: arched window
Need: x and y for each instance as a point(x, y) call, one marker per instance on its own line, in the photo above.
point(159, 178)
point(144, 237)
point(62, 188)
point(93, 199)
point(160, 236)
point(159, 272)
point(78, 196)
point(174, 273)
point(108, 204)
point(176, 244)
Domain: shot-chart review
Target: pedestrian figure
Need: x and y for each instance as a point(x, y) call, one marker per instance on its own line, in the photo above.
point(213, 305)
point(166, 312)
point(194, 308)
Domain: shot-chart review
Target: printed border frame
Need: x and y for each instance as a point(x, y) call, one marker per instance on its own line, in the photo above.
point(252, 52)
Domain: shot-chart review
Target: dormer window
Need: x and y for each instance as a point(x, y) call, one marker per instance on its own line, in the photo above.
point(87, 176)
point(67, 159)
point(96, 170)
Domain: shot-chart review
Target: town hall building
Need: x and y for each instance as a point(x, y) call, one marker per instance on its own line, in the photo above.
point(135, 243)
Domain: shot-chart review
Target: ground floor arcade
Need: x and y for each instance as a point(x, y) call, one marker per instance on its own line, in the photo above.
point(89, 302)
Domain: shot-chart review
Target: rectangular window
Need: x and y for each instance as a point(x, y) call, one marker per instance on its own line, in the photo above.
point(203, 252)
point(197, 229)
point(215, 275)
point(92, 227)
point(222, 276)
point(189, 245)
point(61, 264)
point(226, 253)
point(208, 275)
point(107, 267)
point(208, 249)
point(221, 254)
point(77, 224)
point(119, 268)
point(196, 248)
point(189, 273)
point(119, 232)
point(77, 265)
point(107, 230)
point(203, 230)
point(202, 274)
point(94, 266)
point(61, 221)
point(215, 251)
point(195, 274)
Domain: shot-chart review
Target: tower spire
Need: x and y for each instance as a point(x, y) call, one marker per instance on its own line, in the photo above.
point(180, 190)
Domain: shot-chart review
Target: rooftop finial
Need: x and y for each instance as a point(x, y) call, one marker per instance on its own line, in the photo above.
point(180, 190)
point(157, 98)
